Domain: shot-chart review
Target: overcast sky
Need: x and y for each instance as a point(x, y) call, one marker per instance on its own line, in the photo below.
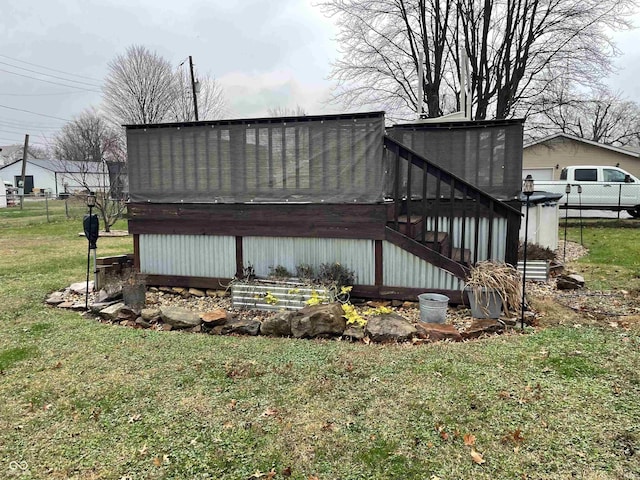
point(264, 53)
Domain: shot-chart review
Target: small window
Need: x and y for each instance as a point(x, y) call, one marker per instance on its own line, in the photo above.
point(611, 175)
point(563, 174)
point(586, 175)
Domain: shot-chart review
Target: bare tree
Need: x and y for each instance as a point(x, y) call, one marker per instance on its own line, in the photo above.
point(509, 43)
point(139, 87)
point(142, 87)
point(281, 111)
point(87, 146)
point(600, 116)
point(379, 42)
point(211, 102)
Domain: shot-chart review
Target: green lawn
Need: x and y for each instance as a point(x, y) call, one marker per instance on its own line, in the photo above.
point(614, 258)
point(85, 400)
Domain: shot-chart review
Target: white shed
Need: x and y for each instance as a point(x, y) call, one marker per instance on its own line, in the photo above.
point(3, 194)
point(58, 176)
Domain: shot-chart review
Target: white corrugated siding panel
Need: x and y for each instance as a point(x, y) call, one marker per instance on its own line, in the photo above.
point(188, 255)
point(265, 252)
point(403, 269)
point(498, 245)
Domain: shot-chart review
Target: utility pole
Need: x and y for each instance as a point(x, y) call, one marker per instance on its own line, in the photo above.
point(193, 88)
point(24, 166)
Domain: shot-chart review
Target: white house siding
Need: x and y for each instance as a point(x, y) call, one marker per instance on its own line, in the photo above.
point(55, 179)
point(188, 255)
point(402, 269)
point(356, 255)
point(42, 178)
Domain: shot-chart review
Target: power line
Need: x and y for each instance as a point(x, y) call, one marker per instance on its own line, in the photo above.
point(19, 132)
point(48, 68)
point(49, 75)
point(35, 113)
point(20, 141)
point(49, 81)
point(40, 94)
point(34, 126)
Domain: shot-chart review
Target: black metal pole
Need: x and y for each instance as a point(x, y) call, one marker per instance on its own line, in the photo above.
point(619, 199)
point(566, 218)
point(86, 298)
point(580, 205)
point(524, 263)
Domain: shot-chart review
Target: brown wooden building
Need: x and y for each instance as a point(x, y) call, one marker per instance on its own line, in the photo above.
point(208, 199)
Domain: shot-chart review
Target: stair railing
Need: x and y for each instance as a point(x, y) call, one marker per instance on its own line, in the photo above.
point(478, 225)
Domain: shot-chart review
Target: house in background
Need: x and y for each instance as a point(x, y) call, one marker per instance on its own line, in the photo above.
point(545, 158)
point(57, 176)
point(211, 200)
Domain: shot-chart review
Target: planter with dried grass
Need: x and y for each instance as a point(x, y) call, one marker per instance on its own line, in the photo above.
point(492, 288)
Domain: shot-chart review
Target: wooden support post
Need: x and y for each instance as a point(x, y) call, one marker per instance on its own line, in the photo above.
point(25, 151)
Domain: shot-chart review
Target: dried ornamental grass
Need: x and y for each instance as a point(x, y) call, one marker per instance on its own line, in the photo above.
point(488, 279)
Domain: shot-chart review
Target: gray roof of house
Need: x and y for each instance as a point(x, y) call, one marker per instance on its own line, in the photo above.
point(626, 150)
point(68, 166)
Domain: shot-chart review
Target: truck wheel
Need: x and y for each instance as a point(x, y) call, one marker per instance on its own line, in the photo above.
point(635, 212)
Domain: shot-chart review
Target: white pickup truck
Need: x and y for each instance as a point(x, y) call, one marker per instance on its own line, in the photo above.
point(595, 187)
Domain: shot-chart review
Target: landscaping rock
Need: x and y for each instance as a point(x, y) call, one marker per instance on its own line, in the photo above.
point(179, 317)
point(109, 293)
point(128, 313)
point(215, 317)
point(81, 287)
point(569, 282)
point(66, 304)
point(241, 326)
point(354, 332)
point(150, 314)
point(438, 331)
point(55, 298)
point(111, 313)
point(196, 292)
point(277, 326)
point(166, 289)
point(390, 327)
point(318, 321)
point(142, 323)
point(98, 306)
point(482, 327)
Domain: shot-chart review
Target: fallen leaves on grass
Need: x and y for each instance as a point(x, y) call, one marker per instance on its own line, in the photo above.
point(266, 475)
point(513, 437)
point(270, 412)
point(159, 461)
point(135, 418)
point(477, 457)
point(469, 439)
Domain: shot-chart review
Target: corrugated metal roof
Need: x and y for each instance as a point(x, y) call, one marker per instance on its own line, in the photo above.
point(68, 166)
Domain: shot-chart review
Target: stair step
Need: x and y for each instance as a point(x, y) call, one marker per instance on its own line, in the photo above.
point(461, 258)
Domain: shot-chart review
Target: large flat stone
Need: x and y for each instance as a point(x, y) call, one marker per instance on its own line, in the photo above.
point(241, 326)
point(481, 327)
point(438, 331)
point(319, 321)
point(179, 317)
point(111, 312)
point(388, 328)
point(215, 317)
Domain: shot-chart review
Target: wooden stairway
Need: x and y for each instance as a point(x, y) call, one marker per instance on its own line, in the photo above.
point(437, 241)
